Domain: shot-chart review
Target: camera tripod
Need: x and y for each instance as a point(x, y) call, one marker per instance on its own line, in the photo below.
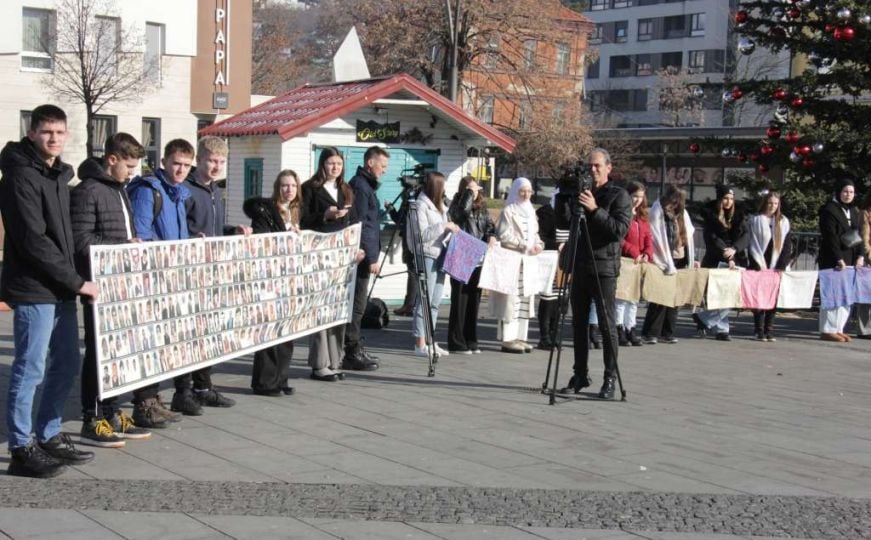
point(416, 245)
point(406, 194)
point(578, 225)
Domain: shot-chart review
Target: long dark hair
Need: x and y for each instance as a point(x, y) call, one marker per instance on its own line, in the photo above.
point(479, 202)
point(320, 175)
point(434, 189)
point(673, 202)
point(291, 213)
point(633, 187)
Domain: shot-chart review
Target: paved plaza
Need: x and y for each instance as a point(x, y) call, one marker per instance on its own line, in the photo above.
point(717, 440)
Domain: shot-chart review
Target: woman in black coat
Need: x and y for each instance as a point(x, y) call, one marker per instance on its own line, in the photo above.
point(469, 211)
point(840, 246)
point(726, 241)
point(279, 213)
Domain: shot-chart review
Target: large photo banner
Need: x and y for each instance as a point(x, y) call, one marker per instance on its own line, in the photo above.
point(167, 308)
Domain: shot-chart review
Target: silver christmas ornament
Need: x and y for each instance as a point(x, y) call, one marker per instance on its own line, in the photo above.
point(777, 13)
point(795, 158)
point(865, 19)
point(698, 92)
point(728, 97)
point(804, 4)
point(844, 14)
point(818, 147)
point(746, 45)
point(726, 152)
point(781, 113)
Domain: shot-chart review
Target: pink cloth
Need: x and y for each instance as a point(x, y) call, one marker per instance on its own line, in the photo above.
point(759, 289)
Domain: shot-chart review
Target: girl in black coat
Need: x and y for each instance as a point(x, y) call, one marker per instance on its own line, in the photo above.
point(840, 246)
point(279, 213)
point(469, 212)
point(726, 240)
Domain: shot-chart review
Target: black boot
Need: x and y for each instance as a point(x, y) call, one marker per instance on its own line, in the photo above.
point(544, 326)
point(607, 391)
point(576, 384)
point(622, 336)
point(594, 336)
point(636, 341)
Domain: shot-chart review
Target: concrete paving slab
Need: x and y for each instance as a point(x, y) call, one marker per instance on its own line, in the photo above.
point(367, 530)
point(23, 523)
point(151, 525)
point(263, 527)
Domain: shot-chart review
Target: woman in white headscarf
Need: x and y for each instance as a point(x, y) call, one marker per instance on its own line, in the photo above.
point(516, 230)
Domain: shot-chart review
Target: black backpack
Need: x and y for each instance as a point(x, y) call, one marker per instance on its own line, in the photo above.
point(376, 315)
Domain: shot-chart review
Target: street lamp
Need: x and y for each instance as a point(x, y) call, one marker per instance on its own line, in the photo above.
point(454, 28)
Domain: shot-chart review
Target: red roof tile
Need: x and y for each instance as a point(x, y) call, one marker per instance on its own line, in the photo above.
point(312, 105)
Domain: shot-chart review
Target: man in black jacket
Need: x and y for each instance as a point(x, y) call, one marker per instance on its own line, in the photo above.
point(205, 217)
point(608, 212)
point(40, 282)
point(364, 184)
point(101, 214)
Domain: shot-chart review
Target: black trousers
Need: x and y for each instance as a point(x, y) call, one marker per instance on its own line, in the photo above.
point(659, 321)
point(271, 366)
point(763, 320)
point(201, 378)
point(91, 406)
point(584, 293)
point(361, 291)
point(463, 321)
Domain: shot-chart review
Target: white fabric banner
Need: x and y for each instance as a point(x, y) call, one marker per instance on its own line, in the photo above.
point(168, 308)
point(500, 271)
point(797, 289)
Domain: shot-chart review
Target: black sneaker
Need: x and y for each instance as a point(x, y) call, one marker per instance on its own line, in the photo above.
point(61, 448)
point(125, 428)
point(358, 363)
point(99, 433)
point(701, 327)
point(213, 398)
point(607, 390)
point(576, 384)
point(32, 461)
point(723, 336)
point(670, 340)
point(146, 414)
point(184, 402)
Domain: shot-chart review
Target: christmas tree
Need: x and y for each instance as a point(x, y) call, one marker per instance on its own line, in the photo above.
point(821, 115)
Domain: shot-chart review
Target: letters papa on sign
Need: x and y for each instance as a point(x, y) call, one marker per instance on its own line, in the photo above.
point(368, 131)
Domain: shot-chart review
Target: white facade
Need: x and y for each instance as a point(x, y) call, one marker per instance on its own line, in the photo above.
point(635, 40)
point(298, 154)
point(169, 101)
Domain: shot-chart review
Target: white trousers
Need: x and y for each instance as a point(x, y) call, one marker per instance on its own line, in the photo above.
point(626, 314)
point(833, 321)
point(515, 329)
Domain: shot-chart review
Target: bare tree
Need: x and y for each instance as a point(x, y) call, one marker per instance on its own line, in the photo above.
point(679, 105)
point(96, 61)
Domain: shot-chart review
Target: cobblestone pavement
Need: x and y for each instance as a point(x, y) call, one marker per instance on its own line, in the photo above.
point(804, 517)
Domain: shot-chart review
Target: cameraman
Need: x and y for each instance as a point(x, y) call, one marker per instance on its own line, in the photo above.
point(608, 212)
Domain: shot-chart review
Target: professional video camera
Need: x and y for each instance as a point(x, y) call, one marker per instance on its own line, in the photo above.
point(575, 180)
point(413, 178)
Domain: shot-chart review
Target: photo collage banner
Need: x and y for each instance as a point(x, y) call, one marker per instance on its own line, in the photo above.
point(167, 308)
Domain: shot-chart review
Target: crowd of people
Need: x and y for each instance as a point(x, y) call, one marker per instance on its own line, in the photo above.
point(50, 230)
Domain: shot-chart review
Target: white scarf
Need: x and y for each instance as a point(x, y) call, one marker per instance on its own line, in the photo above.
point(761, 229)
point(523, 208)
point(661, 250)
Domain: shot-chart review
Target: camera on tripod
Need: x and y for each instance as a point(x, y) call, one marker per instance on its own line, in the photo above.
point(575, 180)
point(413, 178)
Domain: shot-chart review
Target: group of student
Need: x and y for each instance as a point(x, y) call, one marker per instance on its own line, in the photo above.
point(49, 232)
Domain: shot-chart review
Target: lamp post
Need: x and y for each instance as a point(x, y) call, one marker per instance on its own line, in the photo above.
point(454, 28)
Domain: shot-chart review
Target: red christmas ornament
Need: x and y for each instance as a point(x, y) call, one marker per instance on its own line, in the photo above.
point(808, 163)
point(767, 150)
point(737, 93)
point(796, 102)
point(762, 168)
point(754, 156)
point(829, 28)
point(844, 33)
point(803, 150)
point(779, 94)
point(777, 32)
point(792, 137)
point(742, 157)
point(695, 147)
point(794, 13)
point(741, 16)
point(773, 133)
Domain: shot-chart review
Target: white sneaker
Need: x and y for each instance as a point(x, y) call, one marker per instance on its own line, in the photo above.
point(421, 351)
point(441, 351)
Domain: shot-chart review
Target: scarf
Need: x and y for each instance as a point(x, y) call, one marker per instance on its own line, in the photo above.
point(523, 208)
point(761, 231)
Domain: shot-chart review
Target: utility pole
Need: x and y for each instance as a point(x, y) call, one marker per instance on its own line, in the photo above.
point(454, 28)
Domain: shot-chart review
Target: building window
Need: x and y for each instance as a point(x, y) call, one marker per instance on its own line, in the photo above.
point(253, 177)
point(675, 27)
point(622, 3)
point(643, 65)
point(558, 113)
point(697, 24)
point(621, 31)
point(593, 70)
point(102, 127)
point(596, 101)
point(36, 39)
point(645, 29)
point(151, 142)
point(599, 5)
point(485, 109)
point(154, 49)
point(529, 49)
point(524, 120)
point(672, 61)
point(563, 57)
point(621, 66)
point(24, 119)
point(696, 62)
point(108, 40)
point(596, 34)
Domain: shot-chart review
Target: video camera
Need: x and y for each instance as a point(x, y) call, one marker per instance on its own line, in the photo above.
point(413, 178)
point(575, 180)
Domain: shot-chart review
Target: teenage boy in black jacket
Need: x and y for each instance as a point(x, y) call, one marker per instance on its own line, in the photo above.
point(101, 214)
point(40, 282)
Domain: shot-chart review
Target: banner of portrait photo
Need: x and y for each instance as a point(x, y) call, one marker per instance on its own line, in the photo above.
point(167, 308)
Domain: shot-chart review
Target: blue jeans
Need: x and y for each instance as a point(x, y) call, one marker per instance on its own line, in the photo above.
point(435, 282)
point(716, 319)
point(46, 351)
